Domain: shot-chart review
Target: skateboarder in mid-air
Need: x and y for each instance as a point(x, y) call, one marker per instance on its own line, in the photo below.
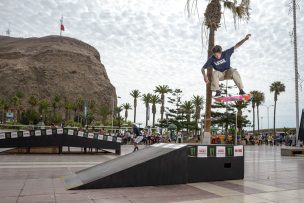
point(220, 62)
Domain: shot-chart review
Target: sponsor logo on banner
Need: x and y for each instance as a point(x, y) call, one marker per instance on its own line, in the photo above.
point(70, 132)
point(26, 134)
point(202, 151)
point(37, 133)
point(49, 132)
point(80, 134)
point(14, 135)
point(220, 151)
point(2, 136)
point(239, 150)
point(91, 135)
point(59, 131)
point(110, 138)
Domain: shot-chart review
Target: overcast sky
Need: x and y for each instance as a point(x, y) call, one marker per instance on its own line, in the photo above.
point(144, 43)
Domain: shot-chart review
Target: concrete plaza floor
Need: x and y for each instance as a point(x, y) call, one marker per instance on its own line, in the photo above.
point(38, 178)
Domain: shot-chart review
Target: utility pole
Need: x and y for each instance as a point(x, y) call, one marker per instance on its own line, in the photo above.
point(295, 46)
point(268, 106)
point(236, 128)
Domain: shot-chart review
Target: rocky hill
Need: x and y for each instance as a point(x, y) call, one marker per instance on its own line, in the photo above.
point(53, 65)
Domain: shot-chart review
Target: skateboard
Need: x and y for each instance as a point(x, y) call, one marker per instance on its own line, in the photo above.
point(245, 97)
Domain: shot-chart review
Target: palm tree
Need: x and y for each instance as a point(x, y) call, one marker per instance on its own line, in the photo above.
point(19, 96)
point(104, 111)
point(135, 94)
point(212, 21)
point(154, 100)
point(33, 101)
point(276, 87)
point(147, 100)
point(43, 106)
point(187, 108)
point(162, 90)
point(260, 98)
point(126, 107)
point(255, 95)
point(56, 103)
point(197, 101)
point(240, 105)
point(3, 107)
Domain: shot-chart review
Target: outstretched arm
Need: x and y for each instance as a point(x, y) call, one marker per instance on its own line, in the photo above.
point(242, 41)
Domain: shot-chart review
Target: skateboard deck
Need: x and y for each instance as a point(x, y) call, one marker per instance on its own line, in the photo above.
point(246, 97)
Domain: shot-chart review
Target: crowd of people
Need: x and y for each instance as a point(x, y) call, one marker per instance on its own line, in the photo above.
point(279, 139)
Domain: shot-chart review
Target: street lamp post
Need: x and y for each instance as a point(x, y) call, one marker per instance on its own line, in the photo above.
point(268, 106)
point(236, 129)
point(113, 106)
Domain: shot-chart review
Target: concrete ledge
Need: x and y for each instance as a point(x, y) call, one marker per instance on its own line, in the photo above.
point(291, 151)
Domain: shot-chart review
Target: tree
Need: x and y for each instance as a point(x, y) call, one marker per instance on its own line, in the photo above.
point(162, 90)
point(212, 21)
point(126, 107)
point(147, 100)
point(197, 101)
point(276, 87)
point(187, 108)
point(135, 94)
point(260, 99)
point(104, 111)
point(43, 106)
point(33, 101)
point(154, 100)
point(255, 95)
point(17, 100)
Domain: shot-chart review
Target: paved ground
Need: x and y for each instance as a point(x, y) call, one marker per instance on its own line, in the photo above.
point(38, 178)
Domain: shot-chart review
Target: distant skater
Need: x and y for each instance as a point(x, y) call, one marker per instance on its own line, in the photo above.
point(138, 137)
point(220, 62)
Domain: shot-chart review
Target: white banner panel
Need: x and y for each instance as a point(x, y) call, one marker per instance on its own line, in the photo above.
point(2, 136)
point(202, 151)
point(80, 134)
point(49, 132)
point(26, 133)
point(239, 150)
point(91, 135)
point(37, 133)
point(220, 151)
point(118, 139)
point(14, 135)
point(70, 132)
point(59, 131)
point(110, 138)
point(100, 137)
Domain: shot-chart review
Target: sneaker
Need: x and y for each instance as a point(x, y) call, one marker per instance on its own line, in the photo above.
point(218, 93)
point(242, 92)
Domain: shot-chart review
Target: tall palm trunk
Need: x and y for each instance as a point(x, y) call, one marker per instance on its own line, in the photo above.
point(135, 106)
point(162, 108)
point(253, 119)
point(208, 86)
point(147, 114)
point(258, 115)
point(153, 124)
point(274, 118)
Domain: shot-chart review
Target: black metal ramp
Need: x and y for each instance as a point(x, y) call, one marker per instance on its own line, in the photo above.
point(159, 164)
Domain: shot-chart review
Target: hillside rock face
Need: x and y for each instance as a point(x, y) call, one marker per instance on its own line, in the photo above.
point(53, 65)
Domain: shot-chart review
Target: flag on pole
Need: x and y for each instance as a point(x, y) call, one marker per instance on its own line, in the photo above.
point(61, 25)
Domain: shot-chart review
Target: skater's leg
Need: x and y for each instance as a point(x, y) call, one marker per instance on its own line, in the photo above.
point(216, 77)
point(235, 76)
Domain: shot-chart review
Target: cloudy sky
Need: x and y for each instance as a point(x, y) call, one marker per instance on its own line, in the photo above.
point(144, 43)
